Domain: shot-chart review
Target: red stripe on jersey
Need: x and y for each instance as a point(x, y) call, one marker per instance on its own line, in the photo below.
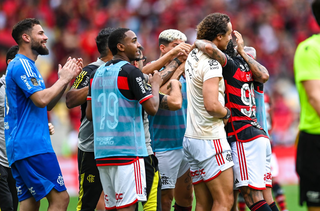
point(88, 97)
point(225, 63)
point(145, 98)
point(243, 76)
point(253, 138)
point(239, 130)
point(91, 79)
point(123, 83)
point(232, 90)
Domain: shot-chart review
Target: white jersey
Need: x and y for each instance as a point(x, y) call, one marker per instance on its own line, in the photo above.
point(200, 124)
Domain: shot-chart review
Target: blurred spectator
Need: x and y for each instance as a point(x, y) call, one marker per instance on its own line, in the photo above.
point(273, 27)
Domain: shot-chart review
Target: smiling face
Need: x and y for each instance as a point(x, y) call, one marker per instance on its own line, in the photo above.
point(39, 40)
point(131, 45)
point(223, 40)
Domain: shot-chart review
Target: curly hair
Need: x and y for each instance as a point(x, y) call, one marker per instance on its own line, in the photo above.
point(212, 26)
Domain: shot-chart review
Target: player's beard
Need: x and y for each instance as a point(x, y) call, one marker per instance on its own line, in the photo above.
point(37, 46)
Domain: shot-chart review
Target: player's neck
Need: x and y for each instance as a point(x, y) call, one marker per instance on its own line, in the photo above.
point(28, 52)
point(121, 57)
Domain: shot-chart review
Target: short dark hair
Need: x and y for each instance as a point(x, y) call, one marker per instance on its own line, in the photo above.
point(315, 6)
point(116, 37)
point(102, 41)
point(11, 53)
point(212, 25)
point(24, 26)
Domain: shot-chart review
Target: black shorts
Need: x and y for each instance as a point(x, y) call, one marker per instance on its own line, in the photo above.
point(153, 202)
point(308, 168)
point(90, 187)
point(8, 191)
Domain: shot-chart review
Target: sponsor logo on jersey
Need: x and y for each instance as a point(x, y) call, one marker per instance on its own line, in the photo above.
point(24, 79)
point(141, 85)
point(194, 55)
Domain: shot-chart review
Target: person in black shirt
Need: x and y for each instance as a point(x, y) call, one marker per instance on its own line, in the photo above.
point(250, 145)
point(89, 189)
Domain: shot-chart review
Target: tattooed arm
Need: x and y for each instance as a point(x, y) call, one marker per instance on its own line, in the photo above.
point(176, 75)
point(259, 72)
point(172, 101)
point(211, 50)
point(168, 71)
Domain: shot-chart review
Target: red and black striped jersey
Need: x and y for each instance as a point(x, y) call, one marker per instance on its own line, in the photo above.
point(239, 96)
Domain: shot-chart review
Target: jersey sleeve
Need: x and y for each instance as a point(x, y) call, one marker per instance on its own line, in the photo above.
point(211, 68)
point(306, 63)
point(230, 65)
point(90, 83)
point(83, 79)
point(138, 85)
point(26, 77)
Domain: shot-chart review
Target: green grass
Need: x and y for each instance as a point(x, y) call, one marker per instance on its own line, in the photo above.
point(291, 193)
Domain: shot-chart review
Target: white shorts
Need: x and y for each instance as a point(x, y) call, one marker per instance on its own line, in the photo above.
point(252, 163)
point(207, 158)
point(274, 165)
point(124, 185)
point(172, 165)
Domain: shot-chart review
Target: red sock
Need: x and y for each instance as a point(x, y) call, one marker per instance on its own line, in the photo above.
point(281, 202)
point(260, 206)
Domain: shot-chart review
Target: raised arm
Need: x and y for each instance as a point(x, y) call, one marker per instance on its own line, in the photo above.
point(151, 105)
point(211, 50)
point(176, 75)
point(172, 101)
point(181, 49)
point(259, 72)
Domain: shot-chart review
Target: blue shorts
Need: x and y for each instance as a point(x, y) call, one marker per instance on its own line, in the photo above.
point(36, 176)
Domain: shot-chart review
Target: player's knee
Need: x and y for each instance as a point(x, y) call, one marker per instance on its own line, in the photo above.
point(166, 200)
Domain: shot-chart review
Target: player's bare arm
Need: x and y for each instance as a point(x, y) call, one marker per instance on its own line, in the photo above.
point(312, 88)
point(151, 105)
point(211, 102)
point(50, 96)
point(179, 50)
point(259, 72)
point(176, 75)
point(211, 50)
point(76, 97)
point(89, 111)
point(172, 101)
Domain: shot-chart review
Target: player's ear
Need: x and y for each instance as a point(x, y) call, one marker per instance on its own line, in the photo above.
point(120, 47)
point(25, 37)
point(162, 48)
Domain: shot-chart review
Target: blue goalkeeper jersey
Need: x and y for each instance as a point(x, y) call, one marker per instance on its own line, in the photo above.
point(26, 125)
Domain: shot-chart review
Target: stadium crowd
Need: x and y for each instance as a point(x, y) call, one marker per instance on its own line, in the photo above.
point(273, 27)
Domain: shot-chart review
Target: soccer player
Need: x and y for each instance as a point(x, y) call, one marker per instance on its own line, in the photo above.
point(205, 143)
point(167, 129)
point(30, 154)
point(172, 101)
point(250, 145)
point(89, 189)
point(118, 93)
point(8, 191)
point(307, 78)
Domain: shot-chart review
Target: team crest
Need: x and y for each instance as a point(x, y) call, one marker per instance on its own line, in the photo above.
point(34, 81)
point(229, 157)
point(60, 180)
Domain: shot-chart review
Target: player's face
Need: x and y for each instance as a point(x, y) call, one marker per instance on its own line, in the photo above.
point(131, 46)
point(170, 46)
point(223, 43)
point(39, 40)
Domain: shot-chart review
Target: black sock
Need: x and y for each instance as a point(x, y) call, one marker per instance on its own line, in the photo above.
point(179, 208)
point(273, 207)
point(260, 206)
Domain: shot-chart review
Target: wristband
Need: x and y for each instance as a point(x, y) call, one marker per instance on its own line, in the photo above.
point(227, 116)
point(178, 61)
